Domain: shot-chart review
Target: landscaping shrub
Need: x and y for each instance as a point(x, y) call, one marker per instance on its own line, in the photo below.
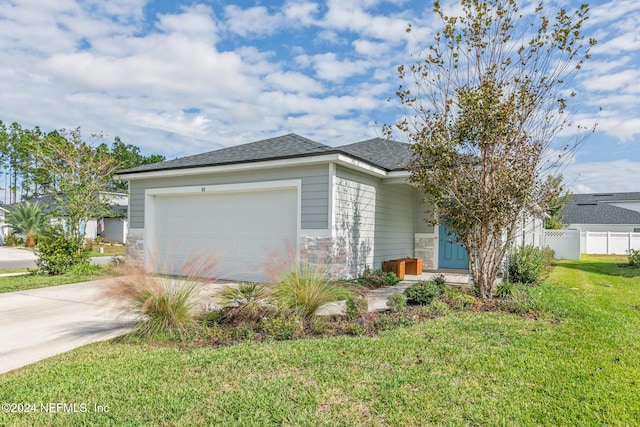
point(441, 282)
point(57, 253)
point(283, 327)
point(520, 302)
point(357, 329)
point(13, 239)
point(388, 321)
point(504, 290)
point(397, 302)
point(460, 301)
point(246, 302)
point(422, 292)
point(211, 317)
point(353, 311)
point(304, 288)
point(28, 219)
point(633, 257)
point(527, 264)
point(377, 279)
point(244, 331)
point(163, 304)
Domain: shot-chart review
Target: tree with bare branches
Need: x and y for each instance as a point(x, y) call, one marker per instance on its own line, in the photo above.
point(484, 105)
point(78, 174)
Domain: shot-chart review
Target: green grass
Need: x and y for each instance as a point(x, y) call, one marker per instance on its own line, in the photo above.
point(108, 250)
point(579, 366)
point(33, 281)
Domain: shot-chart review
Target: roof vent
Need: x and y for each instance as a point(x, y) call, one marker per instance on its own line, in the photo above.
point(603, 195)
point(587, 204)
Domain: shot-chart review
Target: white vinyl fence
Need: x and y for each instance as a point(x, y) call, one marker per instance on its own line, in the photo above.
point(565, 243)
point(569, 244)
point(609, 242)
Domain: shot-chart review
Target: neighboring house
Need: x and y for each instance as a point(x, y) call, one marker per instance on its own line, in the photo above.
point(615, 212)
point(4, 229)
point(113, 228)
point(257, 203)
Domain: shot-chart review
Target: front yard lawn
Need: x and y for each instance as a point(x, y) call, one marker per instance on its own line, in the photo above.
point(578, 366)
point(34, 281)
point(107, 250)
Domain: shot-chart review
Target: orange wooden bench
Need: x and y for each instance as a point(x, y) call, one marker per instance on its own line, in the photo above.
point(403, 266)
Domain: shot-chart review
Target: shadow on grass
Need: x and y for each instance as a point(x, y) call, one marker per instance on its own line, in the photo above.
point(613, 267)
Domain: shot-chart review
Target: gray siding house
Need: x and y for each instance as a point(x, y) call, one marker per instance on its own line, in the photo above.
point(262, 204)
point(614, 212)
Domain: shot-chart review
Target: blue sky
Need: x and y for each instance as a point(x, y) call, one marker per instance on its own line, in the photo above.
point(179, 78)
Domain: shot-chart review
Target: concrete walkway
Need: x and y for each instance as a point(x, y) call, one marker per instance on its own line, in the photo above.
point(41, 323)
point(377, 298)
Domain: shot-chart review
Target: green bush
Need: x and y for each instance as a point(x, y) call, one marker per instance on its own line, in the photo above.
point(527, 264)
point(304, 288)
point(422, 292)
point(521, 302)
point(245, 302)
point(166, 305)
point(633, 257)
point(441, 282)
point(163, 305)
point(13, 239)
point(504, 290)
point(356, 329)
point(460, 301)
point(377, 279)
point(57, 253)
point(283, 327)
point(244, 331)
point(353, 312)
point(397, 302)
point(387, 321)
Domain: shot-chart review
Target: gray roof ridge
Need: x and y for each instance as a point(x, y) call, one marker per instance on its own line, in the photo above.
point(392, 157)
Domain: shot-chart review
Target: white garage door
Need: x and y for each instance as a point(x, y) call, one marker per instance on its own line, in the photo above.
point(246, 230)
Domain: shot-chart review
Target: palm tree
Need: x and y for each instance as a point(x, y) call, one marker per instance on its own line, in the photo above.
point(29, 219)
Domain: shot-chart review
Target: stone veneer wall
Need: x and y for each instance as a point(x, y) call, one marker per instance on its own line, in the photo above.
point(425, 249)
point(325, 251)
point(135, 247)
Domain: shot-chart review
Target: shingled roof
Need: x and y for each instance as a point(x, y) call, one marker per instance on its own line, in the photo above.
point(596, 209)
point(382, 153)
point(389, 155)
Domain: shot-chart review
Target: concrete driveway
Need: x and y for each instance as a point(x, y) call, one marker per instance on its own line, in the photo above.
point(13, 258)
point(40, 323)
point(16, 258)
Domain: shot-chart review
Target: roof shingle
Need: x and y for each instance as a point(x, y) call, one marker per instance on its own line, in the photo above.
point(385, 154)
point(595, 209)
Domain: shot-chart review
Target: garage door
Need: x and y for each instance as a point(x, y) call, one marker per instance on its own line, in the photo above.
point(246, 230)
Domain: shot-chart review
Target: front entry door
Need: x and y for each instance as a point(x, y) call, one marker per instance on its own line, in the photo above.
point(451, 254)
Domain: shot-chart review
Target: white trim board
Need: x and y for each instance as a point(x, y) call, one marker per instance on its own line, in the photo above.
point(325, 158)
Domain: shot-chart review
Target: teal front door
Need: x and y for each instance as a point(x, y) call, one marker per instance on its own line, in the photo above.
point(451, 254)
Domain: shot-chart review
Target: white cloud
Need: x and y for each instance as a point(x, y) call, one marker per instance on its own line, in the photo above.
point(294, 82)
point(352, 16)
point(173, 63)
point(613, 176)
point(196, 22)
point(329, 67)
point(254, 21)
point(303, 13)
point(613, 81)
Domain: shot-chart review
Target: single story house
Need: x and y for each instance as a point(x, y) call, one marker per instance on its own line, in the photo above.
point(255, 204)
point(112, 228)
point(614, 212)
point(4, 228)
